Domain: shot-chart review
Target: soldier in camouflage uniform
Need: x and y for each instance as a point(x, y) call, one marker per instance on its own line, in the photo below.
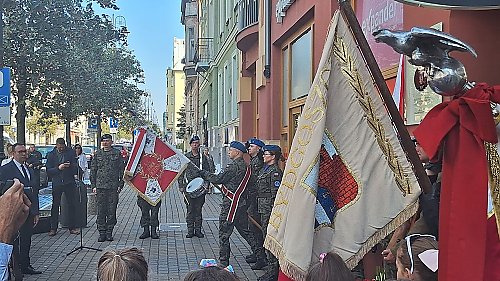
point(254, 147)
point(106, 177)
point(231, 177)
point(194, 206)
point(268, 182)
point(149, 218)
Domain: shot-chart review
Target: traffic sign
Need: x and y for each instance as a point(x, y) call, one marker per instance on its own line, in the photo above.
point(92, 123)
point(5, 87)
point(113, 123)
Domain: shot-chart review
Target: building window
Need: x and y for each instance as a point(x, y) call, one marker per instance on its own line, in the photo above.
point(297, 76)
point(192, 44)
point(285, 82)
point(301, 67)
point(235, 76)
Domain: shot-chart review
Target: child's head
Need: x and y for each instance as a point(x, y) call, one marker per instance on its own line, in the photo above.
point(408, 262)
point(330, 267)
point(122, 265)
point(211, 273)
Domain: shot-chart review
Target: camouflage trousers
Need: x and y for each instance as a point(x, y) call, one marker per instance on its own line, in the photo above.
point(194, 216)
point(107, 200)
point(149, 213)
point(226, 229)
point(273, 266)
point(256, 231)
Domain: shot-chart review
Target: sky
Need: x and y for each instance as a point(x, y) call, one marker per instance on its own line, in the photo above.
point(153, 24)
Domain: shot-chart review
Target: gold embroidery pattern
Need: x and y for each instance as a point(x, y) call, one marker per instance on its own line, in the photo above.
point(494, 173)
point(151, 166)
point(351, 73)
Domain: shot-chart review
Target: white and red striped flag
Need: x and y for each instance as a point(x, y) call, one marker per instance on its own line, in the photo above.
point(153, 166)
point(398, 94)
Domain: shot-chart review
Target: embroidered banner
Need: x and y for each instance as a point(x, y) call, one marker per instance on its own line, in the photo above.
point(347, 182)
point(153, 166)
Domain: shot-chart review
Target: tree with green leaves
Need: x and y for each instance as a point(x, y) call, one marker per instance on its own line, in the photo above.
point(181, 125)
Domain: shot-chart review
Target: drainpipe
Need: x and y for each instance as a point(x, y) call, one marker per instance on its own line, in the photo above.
point(267, 15)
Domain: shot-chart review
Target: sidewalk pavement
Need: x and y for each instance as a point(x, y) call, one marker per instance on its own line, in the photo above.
point(170, 258)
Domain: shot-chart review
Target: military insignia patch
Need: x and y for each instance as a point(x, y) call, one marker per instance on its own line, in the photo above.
point(277, 183)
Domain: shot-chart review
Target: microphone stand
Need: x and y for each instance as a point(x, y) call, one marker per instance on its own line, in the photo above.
point(81, 229)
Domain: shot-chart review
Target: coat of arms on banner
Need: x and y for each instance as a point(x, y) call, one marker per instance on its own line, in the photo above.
point(153, 166)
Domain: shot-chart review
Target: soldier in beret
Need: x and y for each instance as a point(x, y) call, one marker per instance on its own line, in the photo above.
point(254, 147)
point(194, 206)
point(268, 182)
point(233, 213)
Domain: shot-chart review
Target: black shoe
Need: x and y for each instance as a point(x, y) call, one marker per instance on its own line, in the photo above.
point(199, 234)
point(30, 270)
point(109, 237)
point(154, 234)
point(190, 235)
point(102, 237)
point(260, 264)
point(145, 234)
point(251, 258)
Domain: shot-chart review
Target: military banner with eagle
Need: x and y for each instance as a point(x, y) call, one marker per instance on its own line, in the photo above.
point(153, 166)
point(347, 182)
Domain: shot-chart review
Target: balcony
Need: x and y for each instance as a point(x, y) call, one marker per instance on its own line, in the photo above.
point(204, 54)
point(248, 29)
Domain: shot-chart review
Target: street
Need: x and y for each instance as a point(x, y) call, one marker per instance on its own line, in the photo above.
point(169, 258)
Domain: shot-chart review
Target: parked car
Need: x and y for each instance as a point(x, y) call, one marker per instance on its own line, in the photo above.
point(124, 150)
point(44, 150)
point(89, 151)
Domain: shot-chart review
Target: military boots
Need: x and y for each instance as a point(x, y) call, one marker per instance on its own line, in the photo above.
point(145, 234)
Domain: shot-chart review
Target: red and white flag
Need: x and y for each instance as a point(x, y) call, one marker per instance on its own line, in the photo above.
point(153, 165)
point(399, 88)
point(347, 183)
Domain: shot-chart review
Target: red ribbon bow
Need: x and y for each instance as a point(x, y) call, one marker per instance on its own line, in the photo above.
point(462, 126)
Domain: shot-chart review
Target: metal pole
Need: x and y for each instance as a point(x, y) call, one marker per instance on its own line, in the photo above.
point(2, 146)
point(406, 142)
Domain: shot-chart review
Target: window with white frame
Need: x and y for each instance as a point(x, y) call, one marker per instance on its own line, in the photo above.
point(235, 72)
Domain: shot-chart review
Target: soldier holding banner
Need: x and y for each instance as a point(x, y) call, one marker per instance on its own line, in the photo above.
point(149, 218)
point(194, 203)
point(234, 179)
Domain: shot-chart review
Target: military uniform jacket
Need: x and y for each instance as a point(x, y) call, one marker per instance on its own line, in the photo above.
point(192, 170)
point(268, 182)
point(230, 177)
point(256, 164)
point(106, 170)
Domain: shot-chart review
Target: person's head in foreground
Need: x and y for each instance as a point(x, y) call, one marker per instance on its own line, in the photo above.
point(330, 267)
point(211, 273)
point(417, 258)
point(122, 265)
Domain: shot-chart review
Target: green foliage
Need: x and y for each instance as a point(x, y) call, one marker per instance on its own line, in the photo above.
point(66, 61)
point(181, 123)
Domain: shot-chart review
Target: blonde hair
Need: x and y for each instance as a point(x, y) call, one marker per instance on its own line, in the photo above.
point(122, 265)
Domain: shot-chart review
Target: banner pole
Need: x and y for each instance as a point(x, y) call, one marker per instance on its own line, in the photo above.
point(406, 142)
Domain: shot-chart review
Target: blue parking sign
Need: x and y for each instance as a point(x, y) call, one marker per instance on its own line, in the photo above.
point(5, 87)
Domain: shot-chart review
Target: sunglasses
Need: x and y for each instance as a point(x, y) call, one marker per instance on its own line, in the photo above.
point(409, 239)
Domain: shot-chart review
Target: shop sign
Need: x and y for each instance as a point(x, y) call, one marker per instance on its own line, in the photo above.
point(281, 8)
point(456, 4)
point(376, 14)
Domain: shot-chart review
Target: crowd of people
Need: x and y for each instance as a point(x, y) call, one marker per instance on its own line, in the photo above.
point(248, 189)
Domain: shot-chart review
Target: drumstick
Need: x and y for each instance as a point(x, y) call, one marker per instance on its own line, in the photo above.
point(185, 198)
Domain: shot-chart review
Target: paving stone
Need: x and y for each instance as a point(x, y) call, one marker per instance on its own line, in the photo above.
point(170, 258)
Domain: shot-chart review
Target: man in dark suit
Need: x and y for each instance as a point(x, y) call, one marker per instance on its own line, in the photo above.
point(63, 168)
point(17, 169)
